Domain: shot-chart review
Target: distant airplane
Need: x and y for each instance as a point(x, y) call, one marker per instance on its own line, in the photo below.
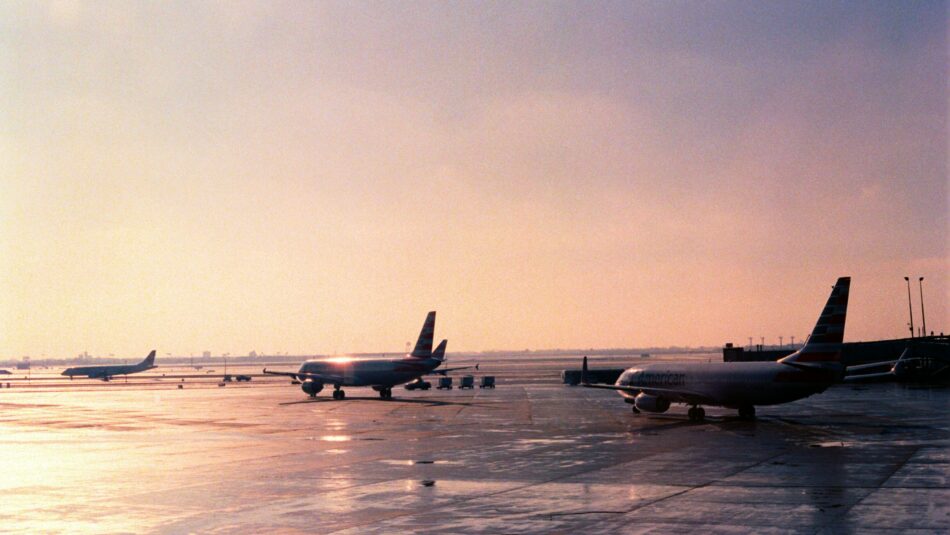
point(108, 371)
point(379, 373)
point(742, 385)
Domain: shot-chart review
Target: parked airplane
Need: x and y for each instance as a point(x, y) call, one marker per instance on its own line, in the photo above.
point(379, 373)
point(108, 371)
point(742, 385)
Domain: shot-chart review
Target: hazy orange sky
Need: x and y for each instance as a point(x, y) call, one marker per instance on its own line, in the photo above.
point(314, 177)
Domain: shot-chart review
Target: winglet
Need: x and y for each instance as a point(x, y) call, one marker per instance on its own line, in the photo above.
point(900, 368)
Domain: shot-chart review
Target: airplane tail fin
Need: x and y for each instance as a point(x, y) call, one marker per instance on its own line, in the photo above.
point(439, 353)
point(423, 349)
point(149, 360)
point(824, 343)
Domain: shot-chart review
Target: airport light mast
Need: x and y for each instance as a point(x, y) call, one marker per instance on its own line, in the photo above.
point(923, 318)
point(910, 309)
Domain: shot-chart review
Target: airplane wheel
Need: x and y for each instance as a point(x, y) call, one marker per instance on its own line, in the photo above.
point(637, 411)
point(700, 414)
point(747, 413)
point(342, 394)
point(691, 414)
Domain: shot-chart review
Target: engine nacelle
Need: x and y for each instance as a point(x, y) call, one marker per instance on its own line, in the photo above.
point(648, 403)
point(311, 387)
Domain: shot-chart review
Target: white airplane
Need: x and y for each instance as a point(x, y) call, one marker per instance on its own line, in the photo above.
point(742, 385)
point(108, 371)
point(379, 373)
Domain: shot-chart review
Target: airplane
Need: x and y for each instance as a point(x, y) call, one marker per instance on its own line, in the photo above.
point(741, 385)
point(379, 373)
point(108, 371)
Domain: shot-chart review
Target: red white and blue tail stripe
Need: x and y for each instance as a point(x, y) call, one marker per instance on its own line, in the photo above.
point(824, 344)
point(423, 349)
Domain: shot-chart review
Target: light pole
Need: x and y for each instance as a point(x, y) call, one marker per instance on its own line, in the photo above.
point(923, 318)
point(910, 309)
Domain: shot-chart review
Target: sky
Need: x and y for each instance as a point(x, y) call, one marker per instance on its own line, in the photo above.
point(313, 177)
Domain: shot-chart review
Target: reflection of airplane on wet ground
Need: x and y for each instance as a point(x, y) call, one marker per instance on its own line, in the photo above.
point(742, 385)
point(379, 373)
point(108, 371)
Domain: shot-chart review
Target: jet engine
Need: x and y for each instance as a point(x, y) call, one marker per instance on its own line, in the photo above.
point(648, 403)
point(311, 387)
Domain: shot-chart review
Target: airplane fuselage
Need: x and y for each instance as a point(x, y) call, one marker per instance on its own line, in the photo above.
point(104, 372)
point(733, 384)
point(371, 372)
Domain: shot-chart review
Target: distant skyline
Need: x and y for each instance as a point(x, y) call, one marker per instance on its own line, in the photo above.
point(313, 177)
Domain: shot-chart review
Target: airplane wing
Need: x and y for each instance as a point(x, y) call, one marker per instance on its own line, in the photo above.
point(446, 370)
point(892, 369)
point(324, 378)
point(866, 376)
point(872, 365)
point(673, 394)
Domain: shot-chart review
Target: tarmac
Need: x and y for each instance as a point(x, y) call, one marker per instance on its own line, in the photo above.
point(530, 456)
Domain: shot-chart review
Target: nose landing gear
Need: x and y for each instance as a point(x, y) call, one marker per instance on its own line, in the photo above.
point(338, 393)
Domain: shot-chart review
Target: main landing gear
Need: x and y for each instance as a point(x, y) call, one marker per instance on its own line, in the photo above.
point(338, 393)
point(385, 393)
point(747, 412)
point(696, 414)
